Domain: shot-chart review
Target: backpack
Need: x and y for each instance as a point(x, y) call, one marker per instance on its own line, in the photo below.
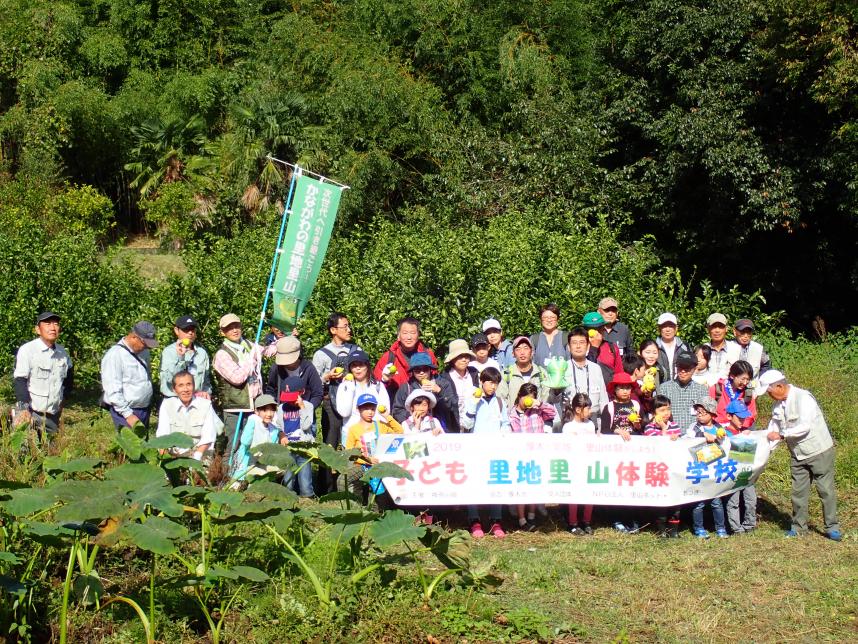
point(337, 360)
point(607, 372)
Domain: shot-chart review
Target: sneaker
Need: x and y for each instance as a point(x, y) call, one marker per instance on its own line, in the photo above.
point(722, 533)
point(634, 527)
point(587, 529)
point(700, 533)
point(527, 526)
point(477, 530)
point(574, 529)
point(497, 530)
point(620, 527)
point(834, 535)
point(790, 533)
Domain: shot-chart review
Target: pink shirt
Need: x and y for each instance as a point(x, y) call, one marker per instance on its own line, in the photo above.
point(533, 420)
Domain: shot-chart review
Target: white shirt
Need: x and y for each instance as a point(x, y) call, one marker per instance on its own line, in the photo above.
point(45, 368)
point(490, 362)
point(197, 419)
point(670, 350)
point(464, 388)
point(577, 428)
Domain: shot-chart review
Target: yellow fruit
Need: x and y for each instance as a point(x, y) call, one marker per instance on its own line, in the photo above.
point(186, 342)
point(592, 333)
point(349, 377)
point(652, 371)
point(425, 381)
point(720, 433)
point(478, 393)
point(528, 402)
point(392, 369)
point(633, 417)
point(381, 409)
point(338, 370)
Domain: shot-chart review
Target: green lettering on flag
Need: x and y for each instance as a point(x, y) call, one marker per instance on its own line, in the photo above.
point(311, 220)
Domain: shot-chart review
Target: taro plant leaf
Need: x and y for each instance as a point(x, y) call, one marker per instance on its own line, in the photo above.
point(224, 497)
point(250, 573)
point(275, 455)
point(12, 586)
point(12, 485)
point(191, 492)
point(453, 549)
point(135, 475)
point(176, 439)
point(187, 463)
point(9, 557)
point(344, 532)
point(59, 464)
point(184, 581)
point(88, 588)
point(249, 511)
point(271, 490)
point(99, 505)
point(27, 501)
point(215, 572)
point(339, 496)
point(394, 527)
point(159, 496)
point(386, 470)
point(355, 516)
point(130, 443)
point(304, 448)
point(280, 522)
point(337, 460)
point(156, 534)
point(73, 490)
point(47, 534)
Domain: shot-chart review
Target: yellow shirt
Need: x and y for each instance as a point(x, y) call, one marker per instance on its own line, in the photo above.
point(361, 429)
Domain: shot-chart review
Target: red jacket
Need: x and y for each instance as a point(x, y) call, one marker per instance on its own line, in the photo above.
point(609, 355)
point(401, 362)
point(723, 401)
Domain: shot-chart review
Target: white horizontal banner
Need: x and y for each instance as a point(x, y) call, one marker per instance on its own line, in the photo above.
point(458, 469)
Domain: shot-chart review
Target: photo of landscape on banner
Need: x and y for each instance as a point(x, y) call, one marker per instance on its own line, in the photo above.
point(453, 469)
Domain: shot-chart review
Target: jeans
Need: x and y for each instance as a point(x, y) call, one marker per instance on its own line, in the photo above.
point(119, 421)
point(818, 470)
point(717, 514)
point(734, 514)
point(495, 513)
point(304, 476)
point(332, 427)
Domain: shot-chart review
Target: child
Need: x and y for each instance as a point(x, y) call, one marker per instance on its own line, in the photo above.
point(621, 415)
point(295, 417)
point(706, 427)
point(420, 405)
point(364, 435)
point(531, 416)
point(481, 348)
point(258, 430)
point(738, 415)
point(580, 424)
point(486, 413)
point(662, 423)
point(421, 370)
point(703, 353)
point(357, 381)
point(735, 388)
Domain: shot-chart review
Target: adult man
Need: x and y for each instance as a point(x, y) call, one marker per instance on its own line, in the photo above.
point(125, 377)
point(396, 359)
point(186, 355)
point(501, 350)
point(716, 325)
point(584, 375)
point(615, 331)
point(669, 345)
point(521, 371)
point(43, 376)
point(289, 363)
point(185, 413)
point(744, 347)
point(682, 391)
point(798, 421)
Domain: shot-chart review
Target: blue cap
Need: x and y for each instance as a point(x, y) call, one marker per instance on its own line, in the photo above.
point(358, 355)
point(420, 359)
point(738, 408)
point(366, 399)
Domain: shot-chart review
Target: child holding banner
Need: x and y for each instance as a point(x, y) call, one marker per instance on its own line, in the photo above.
point(580, 424)
point(364, 435)
point(532, 416)
point(706, 427)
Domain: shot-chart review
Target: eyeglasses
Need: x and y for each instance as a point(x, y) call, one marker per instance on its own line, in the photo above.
point(344, 326)
point(610, 309)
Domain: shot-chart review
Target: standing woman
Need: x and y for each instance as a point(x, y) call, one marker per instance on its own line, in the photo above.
point(551, 341)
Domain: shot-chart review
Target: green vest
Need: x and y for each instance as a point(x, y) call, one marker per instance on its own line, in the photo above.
point(230, 396)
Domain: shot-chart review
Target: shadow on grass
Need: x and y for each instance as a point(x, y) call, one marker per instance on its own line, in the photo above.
point(767, 511)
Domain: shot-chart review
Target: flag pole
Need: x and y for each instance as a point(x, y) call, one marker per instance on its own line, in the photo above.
point(287, 207)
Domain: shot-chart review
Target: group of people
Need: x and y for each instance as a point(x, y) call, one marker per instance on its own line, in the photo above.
point(591, 379)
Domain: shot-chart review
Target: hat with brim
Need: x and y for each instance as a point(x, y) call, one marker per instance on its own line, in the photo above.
point(744, 325)
point(291, 389)
point(716, 318)
point(366, 399)
point(707, 403)
point(420, 359)
point(146, 332)
point(457, 349)
point(771, 377)
point(607, 302)
point(265, 400)
point(492, 324)
point(685, 359)
point(593, 320)
point(357, 357)
point(288, 350)
point(419, 393)
point(479, 339)
point(186, 322)
point(738, 408)
point(620, 379)
point(522, 339)
point(47, 315)
point(228, 319)
point(666, 318)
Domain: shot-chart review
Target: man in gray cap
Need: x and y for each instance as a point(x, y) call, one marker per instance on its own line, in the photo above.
point(126, 377)
point(615, 331)
point(43, 376)
point(716, 325)
point(798, 421)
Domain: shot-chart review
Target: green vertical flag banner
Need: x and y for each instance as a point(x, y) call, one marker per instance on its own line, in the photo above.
point(311, 220)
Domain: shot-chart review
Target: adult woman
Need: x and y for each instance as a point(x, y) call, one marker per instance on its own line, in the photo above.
point(551, 341)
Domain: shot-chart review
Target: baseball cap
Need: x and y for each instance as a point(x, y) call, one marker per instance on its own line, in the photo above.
point(420, 359)
point(738, 408)
point(770, 377)
point(358, 355)
point(291, 388)
point(666, 318)
point(146, 332)
point(366, 399)
point(492, 323)
point(708, 403)
point(522, 338)
point(264, 401)
point(593, 320)
point(288, 350)
point(186, 322)
point(716, 318)
point(229, 318)
point(685, 359)
point(743, 324)
point(607, 302)
point(478, 339)
point(47, 315)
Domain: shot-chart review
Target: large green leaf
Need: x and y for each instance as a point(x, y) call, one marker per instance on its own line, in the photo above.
point(225, 497)
point(47, 533)
point(187, 463)
point(335, 515)
point(271, 490)
point(156, 534)
point(339, 496)
point(251, 573)
point(386, 470)
point(249, 511)
point(88, 588)
point(159, 496)
point(337, 460)
point(215, 572)
point(136, 475)
point(9, 557)
point(72, 490)
point(12, 586)
point(59, 464)
point(27, 501)
point(130, 443)
point(394, 527)
point(275, 455)
point(102, 505)
point(176, 439)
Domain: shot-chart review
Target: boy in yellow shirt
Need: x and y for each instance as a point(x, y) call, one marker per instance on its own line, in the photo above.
point(364, 435)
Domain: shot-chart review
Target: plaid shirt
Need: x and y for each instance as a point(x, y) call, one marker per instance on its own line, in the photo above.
point(532, 421)
point(682, 399)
